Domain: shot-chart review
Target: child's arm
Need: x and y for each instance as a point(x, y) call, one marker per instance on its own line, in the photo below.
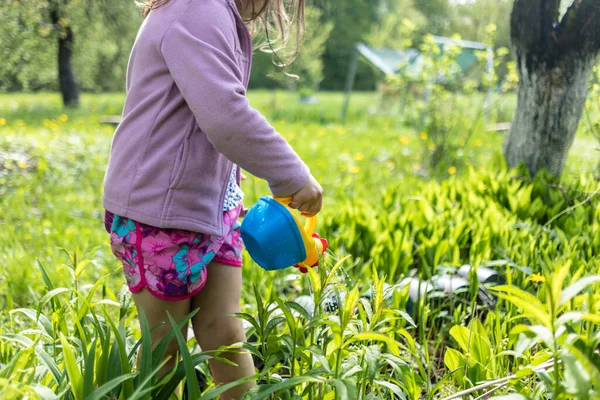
point(200, 54)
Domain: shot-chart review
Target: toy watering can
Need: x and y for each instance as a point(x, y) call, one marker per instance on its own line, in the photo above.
point(276, 239)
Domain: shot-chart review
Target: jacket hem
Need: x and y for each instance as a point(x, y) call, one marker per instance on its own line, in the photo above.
point(172, 222)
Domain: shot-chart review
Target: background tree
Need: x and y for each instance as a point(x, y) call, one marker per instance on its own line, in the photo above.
point(438, 14)
point(66, 76)
point(352, 21)
point(391, 30)
point(96, 35)
point(306, 72)
point(555, 58)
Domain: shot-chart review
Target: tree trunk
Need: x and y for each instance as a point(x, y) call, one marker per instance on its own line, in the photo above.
point(550, 105)
point(68, 84)
point(555, 61)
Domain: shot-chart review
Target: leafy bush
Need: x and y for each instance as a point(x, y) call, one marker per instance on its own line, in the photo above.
point(352, 328)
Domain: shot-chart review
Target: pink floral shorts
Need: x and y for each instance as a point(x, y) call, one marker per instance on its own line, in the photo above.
point(171, 263)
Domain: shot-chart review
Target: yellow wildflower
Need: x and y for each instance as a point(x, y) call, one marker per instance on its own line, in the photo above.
point(404, 140)
point(423, 136)
point(354, 169)
point(63, 118)
point(2, 121)
point(22, 164)
point(452, 170)
point(322, 132)
point(538, 278)
point(478, 143)
point(359, 156)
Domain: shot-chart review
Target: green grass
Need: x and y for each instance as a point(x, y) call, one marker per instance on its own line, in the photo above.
point(387, 208)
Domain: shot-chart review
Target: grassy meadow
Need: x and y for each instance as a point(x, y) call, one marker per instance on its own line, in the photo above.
point(401, 201)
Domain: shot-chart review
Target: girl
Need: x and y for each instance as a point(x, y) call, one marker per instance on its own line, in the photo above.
point(171, 190)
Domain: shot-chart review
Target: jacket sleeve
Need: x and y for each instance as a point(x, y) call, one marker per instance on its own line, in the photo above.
point(200, 56)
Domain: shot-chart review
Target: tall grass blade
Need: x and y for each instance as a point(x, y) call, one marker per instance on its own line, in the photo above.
point(73, 370)
point(102, 392)
point(190, 370)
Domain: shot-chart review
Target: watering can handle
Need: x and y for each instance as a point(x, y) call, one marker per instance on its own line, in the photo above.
point(311, 223)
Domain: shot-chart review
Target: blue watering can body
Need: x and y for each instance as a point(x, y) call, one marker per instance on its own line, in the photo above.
point(272, 236)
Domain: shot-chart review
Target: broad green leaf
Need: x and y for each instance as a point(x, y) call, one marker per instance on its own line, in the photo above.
point(46, 277)
point(88, 376)
point(378, 337)
point(455, 362)
point(125, 367)
point(345, 389)
point(372, 356)
point(190, 370)
point(461, 335)
point(577, 379)
point(72, 367)
point(48, 296)
point(349, 306)
point(544, 334)
point(43, 392)
point(576, 288)
point(558, 279)
point(40, 320)
point(527, 302)
point(102, 391)
point(159, 351)
point(264, 391)
point(395, 389)
point(453, 359)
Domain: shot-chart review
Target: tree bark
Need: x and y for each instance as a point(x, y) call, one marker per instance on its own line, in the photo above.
point(555, 60)
point(66, 77)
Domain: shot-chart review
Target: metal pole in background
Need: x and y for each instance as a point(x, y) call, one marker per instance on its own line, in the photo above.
point(350, 84)
point(490, 74)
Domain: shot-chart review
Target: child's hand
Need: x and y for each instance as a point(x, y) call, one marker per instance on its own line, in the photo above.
point(309, 199)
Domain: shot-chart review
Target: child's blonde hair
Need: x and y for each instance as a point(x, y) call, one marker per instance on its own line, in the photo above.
point(274, 18)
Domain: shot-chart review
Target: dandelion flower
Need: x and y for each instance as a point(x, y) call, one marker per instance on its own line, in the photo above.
point(478, 143)
point(2, 121)
point(354, 169)
point(22, 164)
point(404, 140)
point(359, 156)
point(63, 118)
point(538, 278)
point(452, 170)
point(423, 136)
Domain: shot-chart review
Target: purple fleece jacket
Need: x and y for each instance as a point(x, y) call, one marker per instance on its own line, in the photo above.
point(186, 119)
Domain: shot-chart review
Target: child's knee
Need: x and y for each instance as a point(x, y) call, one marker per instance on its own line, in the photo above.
point(213, 333)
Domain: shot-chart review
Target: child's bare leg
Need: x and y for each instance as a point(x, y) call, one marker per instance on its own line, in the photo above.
point(213, 327)
point(156, 310)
